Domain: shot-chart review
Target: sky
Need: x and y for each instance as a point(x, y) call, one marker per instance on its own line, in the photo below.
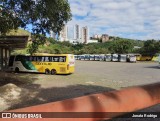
point(133, 19)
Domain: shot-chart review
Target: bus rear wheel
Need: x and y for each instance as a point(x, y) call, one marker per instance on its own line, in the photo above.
point(47, 71)
point(53, 71)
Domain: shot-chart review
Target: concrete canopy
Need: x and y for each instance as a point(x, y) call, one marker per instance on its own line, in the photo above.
point(13, 42)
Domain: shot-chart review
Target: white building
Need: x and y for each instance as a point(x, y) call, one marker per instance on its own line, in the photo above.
point(63, 34)
point(92, 41)
point(76, 32)
point(85, 35)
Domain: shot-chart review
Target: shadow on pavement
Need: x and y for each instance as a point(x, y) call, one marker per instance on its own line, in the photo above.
point(17, 79)
point(33, 94)
point(153, 67)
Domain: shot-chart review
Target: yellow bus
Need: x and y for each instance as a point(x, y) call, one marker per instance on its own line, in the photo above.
point(43, 63)
point(155, 58)
point(138, 57)
point(146, 58)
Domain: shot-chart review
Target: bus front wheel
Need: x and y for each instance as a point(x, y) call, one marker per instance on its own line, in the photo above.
point(47, 71)
point(53, 71)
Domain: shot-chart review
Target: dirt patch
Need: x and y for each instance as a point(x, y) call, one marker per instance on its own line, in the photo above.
point(9, 93)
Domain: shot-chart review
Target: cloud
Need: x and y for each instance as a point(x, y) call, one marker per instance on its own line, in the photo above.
point(137, 19)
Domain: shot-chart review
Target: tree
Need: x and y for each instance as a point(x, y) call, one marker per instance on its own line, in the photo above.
point(44, 15)
point(151, 47)
point(121, 46)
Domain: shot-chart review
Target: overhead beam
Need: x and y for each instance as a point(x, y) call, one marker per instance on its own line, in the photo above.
point(13, 41)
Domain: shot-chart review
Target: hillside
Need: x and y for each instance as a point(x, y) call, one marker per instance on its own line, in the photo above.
point(19, 32)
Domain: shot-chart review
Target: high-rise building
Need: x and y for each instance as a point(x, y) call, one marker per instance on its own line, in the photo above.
point(85, 35)
point(64, 34)
point(76, 32)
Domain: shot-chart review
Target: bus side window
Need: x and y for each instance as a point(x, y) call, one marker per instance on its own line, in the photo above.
point(34, 58)
point(46, 59)
point(43, 59)
point(39, 59)
point(62, 59)
point(30, 58)
point(53, 59)
point(56, 59)
point(50, 59)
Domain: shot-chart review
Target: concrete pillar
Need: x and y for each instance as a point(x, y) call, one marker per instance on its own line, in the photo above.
point(6, 57)
point(3, 59)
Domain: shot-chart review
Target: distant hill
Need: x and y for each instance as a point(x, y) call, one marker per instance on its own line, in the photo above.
point(92, 48)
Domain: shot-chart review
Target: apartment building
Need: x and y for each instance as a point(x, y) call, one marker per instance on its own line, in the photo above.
point(63, 34)
point(76, 32)
point(85, 35)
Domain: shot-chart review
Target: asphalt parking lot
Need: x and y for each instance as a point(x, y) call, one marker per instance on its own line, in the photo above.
point(113, 75)
point(123, 74)
point(89, 78)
